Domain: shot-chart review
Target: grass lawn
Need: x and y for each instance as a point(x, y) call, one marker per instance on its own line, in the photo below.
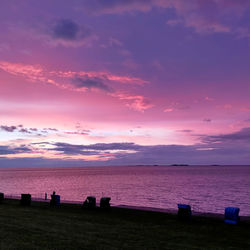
point(70, 227)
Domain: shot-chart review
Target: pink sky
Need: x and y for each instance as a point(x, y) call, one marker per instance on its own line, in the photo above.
point(124, 82)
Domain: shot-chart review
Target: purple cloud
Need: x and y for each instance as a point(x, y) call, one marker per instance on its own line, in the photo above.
point(207, 120)
point(21, 129)
point(240, 136)
point(73, 149)
point(90, 83)
point(79, 132)
point(224, 149)
point(8, 128)
point(50, 129)
point(185, 130)
point(64, 32)
point(68, 30)
point(24, 130)
point(203, 16)
point(7, 150)
point(119, 6)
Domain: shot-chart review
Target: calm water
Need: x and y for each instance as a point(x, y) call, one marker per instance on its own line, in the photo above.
point(205, 188)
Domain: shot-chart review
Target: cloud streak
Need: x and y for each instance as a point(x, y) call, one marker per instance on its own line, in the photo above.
point(135, 102)
point(21, 129)
point(231, 148)
point(81, 81)
point(239, 136)
point(203, 16)
point(8, 150)
point(37, 73)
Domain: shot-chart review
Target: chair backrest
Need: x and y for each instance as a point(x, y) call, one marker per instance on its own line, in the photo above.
point(232, 215)
point(104, 202)
point(91, 201)
point(25, 199)
point(57, 199)
point(184, 211)
point(1, 197)
point(184, 206)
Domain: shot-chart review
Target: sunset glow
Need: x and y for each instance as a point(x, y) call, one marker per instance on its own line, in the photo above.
point(97, 82)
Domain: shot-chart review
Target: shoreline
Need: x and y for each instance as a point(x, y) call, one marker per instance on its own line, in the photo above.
point(138, 208)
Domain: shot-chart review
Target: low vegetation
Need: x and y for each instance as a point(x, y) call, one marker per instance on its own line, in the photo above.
point(70, 227)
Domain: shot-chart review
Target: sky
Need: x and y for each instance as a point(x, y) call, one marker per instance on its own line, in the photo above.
point(124, 82)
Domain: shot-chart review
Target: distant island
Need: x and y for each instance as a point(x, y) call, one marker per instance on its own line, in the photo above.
point(179, 165)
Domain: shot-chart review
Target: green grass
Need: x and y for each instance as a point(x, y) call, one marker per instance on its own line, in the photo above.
point(70, 227)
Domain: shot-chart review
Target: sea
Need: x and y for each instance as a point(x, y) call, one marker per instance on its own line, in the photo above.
point(207, 189)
